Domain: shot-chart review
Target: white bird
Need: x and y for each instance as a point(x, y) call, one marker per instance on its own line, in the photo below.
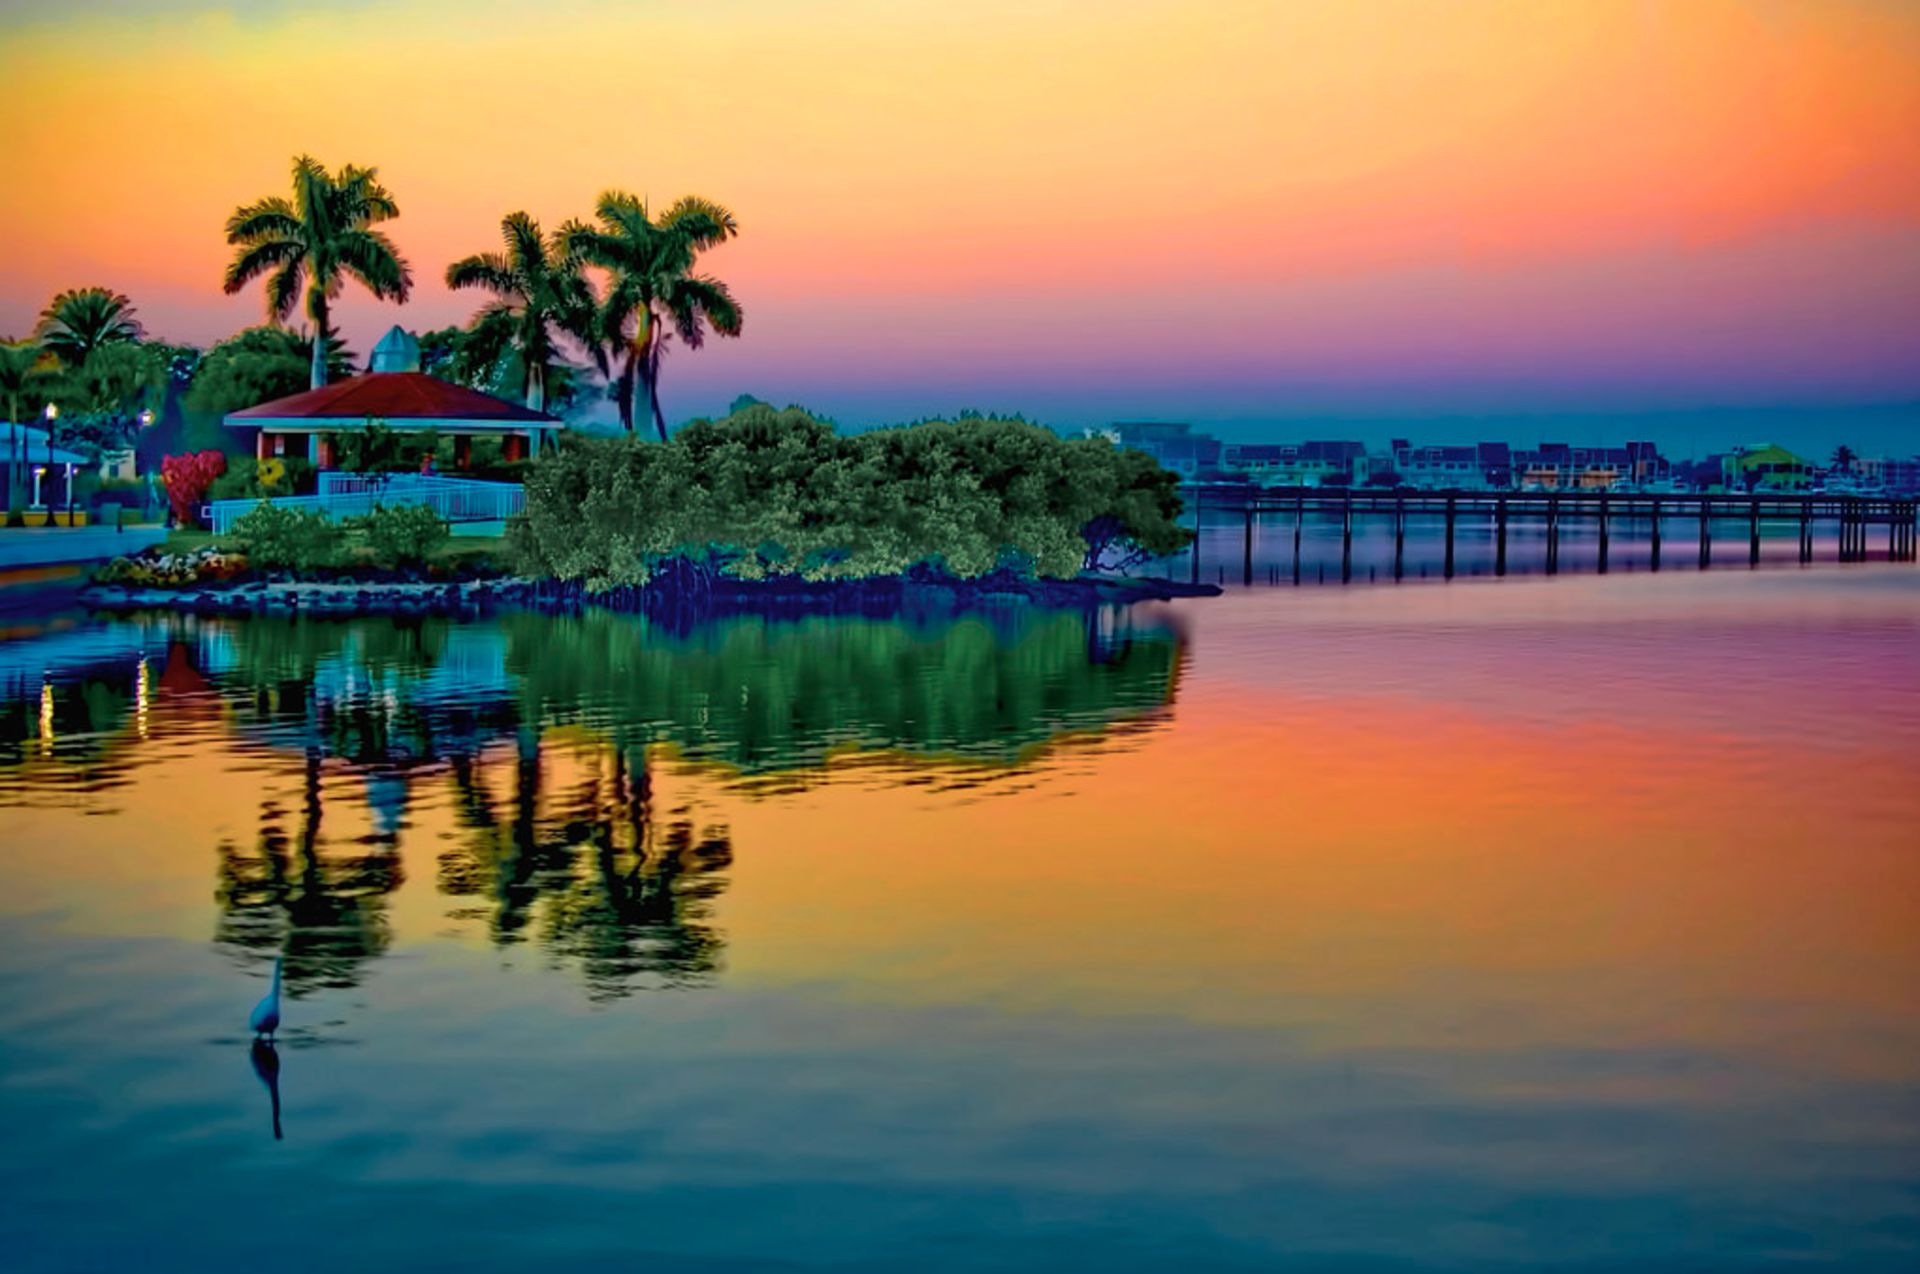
point(266, 1014)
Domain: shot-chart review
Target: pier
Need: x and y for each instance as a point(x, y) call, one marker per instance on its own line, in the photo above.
point(1672, 522)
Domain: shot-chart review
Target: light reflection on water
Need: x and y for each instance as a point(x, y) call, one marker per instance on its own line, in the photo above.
point(1531, 923)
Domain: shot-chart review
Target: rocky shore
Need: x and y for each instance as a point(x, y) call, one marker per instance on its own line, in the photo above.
point(349, 597)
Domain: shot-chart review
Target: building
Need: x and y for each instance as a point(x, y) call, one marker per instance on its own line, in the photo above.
point(1765, 466)
point(1444, 467)
point(46, 471)
point(1173, 444)
point(1304, 464)
point(399, 396)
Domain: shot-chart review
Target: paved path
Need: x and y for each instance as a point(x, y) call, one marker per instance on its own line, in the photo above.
point(52, 545)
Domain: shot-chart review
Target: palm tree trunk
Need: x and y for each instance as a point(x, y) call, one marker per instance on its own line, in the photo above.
point(536, 386)
point(317, 311)
point(624, 395)
point(653, 389)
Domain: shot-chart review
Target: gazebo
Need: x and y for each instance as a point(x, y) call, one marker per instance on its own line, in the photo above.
point(399, 396)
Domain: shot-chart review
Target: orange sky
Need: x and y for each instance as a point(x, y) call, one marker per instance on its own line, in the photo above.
point(1272, 196)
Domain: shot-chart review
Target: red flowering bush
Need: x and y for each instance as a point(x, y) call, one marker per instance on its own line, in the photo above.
point(187, 478)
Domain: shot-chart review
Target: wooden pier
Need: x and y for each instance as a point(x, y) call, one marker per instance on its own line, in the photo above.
point(1854, 519)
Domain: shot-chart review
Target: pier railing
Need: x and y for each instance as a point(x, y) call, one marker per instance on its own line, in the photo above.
point(1852, 516)
point(350, 495)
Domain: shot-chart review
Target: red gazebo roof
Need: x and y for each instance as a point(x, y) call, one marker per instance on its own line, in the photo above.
point(395, 397)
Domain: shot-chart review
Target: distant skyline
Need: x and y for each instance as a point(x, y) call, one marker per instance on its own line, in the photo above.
point(1698, 223)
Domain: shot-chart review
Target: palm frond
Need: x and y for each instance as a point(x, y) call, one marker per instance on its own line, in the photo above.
point(703, 221)
point(371, 257)
point(489, 270)
point(283, 290)
point(272, 217)
point(257, 259)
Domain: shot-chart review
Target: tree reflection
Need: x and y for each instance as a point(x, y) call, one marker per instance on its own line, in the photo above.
point(325, 913)
point(597, 881)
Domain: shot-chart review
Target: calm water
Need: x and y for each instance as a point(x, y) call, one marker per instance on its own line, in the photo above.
point(1568, 923)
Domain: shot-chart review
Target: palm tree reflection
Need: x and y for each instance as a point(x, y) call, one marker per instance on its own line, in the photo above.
point(598, 880)
point(325, 913)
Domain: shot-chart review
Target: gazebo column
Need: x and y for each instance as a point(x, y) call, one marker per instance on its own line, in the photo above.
point(323, 451)
point(515, 447)
point(260, 446)
point(463, 451)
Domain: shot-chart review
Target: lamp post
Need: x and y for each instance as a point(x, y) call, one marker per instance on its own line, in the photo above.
point(52, 413)
point(146, 422)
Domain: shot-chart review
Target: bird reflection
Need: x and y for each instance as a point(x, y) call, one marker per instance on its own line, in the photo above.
point(266, 1065)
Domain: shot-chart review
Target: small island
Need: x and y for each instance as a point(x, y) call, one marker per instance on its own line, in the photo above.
point(765, 508)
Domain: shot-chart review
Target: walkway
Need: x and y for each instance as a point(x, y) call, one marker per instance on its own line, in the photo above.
point(50, 546)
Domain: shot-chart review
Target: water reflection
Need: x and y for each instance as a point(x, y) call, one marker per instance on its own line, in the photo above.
point(325, 913)
point(266, 1066)
point(546, 733)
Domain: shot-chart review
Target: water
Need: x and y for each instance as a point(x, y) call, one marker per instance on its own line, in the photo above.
point(1564, 923)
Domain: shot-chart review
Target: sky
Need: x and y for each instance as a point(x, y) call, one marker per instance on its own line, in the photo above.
point(1579, 220)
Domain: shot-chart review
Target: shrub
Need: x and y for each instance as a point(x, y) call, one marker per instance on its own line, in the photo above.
point(403, 536)
point(768, 493)
point(278, 538)
point(187, 478)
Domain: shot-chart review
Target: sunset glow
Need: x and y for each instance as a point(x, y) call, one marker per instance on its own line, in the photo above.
point(1220, 211)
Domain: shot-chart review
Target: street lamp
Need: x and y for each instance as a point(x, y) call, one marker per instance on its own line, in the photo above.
point(52, 413)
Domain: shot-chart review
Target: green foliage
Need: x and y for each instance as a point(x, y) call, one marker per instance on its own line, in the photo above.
point(255, 366)
point(81, 321)
point(311, 244)
point(768, 493)
point(375, 449)
point(403, 536)
point(652, 291)
point(540, 295)
point(278, 538)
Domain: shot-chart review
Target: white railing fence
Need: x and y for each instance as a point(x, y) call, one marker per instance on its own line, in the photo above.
point(353, 495)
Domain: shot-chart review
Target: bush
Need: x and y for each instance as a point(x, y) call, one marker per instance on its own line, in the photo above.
point(187, 478)
point(284, 539)
point(768, 493)
point(403, 536)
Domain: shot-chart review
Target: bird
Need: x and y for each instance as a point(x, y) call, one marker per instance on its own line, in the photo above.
point(266, 1014)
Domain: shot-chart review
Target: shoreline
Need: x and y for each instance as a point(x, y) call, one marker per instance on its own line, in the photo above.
point(350, 598)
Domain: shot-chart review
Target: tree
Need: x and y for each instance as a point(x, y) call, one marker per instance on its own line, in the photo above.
point(313, 243)
point(22, 371)
point(258, 365)
point(653, 288)
point(541, 298)
point(1844, 456)
point(79, 321)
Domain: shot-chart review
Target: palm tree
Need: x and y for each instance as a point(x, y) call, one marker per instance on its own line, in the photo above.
point(19, 370)
point(542, 296)
point(82, 320)
point(314, 243)
point(1844, 456)
point(654, 287)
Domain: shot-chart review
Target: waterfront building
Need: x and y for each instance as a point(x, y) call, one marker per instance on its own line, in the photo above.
point(1448, 467)
point(1305, 464)
point(399, 396)
point(1765, 466)
point(1173, 443)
